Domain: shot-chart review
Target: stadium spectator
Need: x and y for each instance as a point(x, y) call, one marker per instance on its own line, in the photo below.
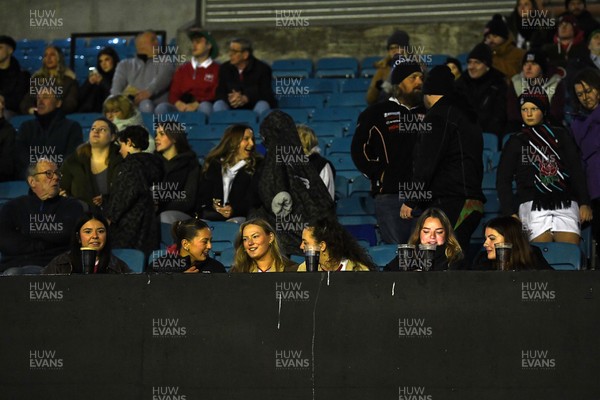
point(310, 145)
point(455, 67)
point(433, 227)
point(122, 112)
point(91, 231)
point(96, 87)
point(257, 249)
point(50, 134)
point(506, 57)
point(551, 188)
point(55, 73)
point(130, 211)
point(530, 26)
point(569, 43)
point(89, 172)
point(178, 189)
point(36, 227)
point(244, 81)
point(523, 256)
point(14, 82)
point(447, 158)
point(396, 44)
point(485, 88)
point(339, 250)
point(7, 146)
point(383, 143)
point(227, 176)
point(142, 78)
point(585, 20)
point(194, 84)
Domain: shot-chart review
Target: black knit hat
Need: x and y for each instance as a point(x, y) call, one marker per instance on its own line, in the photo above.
point(496, 26)
point(7, 40)
point(439, 81)
point(403, 67)
point(538, 57)
point(455, 61)
point(536, 95)
point(400, 38)
point(481, 52)
point(568, 1)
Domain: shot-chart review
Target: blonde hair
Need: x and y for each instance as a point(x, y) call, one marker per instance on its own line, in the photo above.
point(308, 138)
point(120, 103)
point(242, 261)
point(453, 250)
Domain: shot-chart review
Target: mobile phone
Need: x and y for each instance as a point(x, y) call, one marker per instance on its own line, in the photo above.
point(93, 70)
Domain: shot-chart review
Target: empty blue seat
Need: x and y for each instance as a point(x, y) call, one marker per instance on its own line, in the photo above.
point(328, 129)
point(17, 120)
point(561, 256)
point(363, 232)
point(355, 85)
point(343, 162)
point(336, 67)
point(357, 220)
point(226, 257)
point(341, 186)
point(223, 234)
point(133, 258)
point(315, 101)
point(202, 147)
point(352, 99)
point(367, 66)
point(348, 114)
point(358, 205)
point(294, 67)
point(12, 189)
point(490, 141)
point(360, 185)
point(489, 180)
point(85, 119)
point(382, 254)
point(492, 205)
point(233, 117)
point(328, 86)
point(339, 146)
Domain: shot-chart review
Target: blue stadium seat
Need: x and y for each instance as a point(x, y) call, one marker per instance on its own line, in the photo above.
point(367, 66)
point(435, 59)
point(327, 86)
point(293, 67)
point(315, 101)
point(202, 147)
point(227, 257)
point(360, 185)
point(336, 67)
point(490, 141)
point(299, 115)
point(166, 238)
point(329, 129)
point(223, 234)
point(133, 258)
point(492, 205)
point(357, 205)
point(489, 180)
point(12, 189)
point(363, 232)
point(382, 254)
point(347, 220)
point(352, 99)
point(233, 117)
point(31, 45)
point(85, 119)
point(462, 57)
point(561, 256)
point(347, 114)
point(341, 186)
point(478, 235)
point(344, 165)
point(355, 85)
point(339, 145)
point(17, 120)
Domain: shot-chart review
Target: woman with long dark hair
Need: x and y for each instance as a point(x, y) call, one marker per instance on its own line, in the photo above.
point(91, 231)
point(96, 87)
point(227, 174)
point(509, 230)
point(339, 250)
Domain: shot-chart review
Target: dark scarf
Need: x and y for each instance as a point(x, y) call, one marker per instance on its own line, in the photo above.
point(551, 176)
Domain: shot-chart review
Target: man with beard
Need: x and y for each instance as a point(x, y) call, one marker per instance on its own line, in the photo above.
point(383, 143)
point(448, 157)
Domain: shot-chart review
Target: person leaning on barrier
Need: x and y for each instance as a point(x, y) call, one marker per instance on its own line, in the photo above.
point(257, 249)
point(433, 227)
point(192, 250)
point(339, 250)
point(91, 231)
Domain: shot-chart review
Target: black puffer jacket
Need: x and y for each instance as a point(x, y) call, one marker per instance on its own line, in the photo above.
point(179, 187)
point(131, 206)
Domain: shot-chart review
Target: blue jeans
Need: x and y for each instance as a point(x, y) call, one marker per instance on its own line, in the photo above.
point(392, 228)
point(260, 107)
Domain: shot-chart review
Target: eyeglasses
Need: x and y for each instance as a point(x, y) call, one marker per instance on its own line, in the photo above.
point(50, 174)
point(101, 129)
point(235, 51)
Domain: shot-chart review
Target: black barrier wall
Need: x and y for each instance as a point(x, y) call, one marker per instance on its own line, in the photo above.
point(367, 336)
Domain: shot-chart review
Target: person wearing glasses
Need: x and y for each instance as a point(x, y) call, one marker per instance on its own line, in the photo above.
point(89, 172)
point(36, 227)
point(244, 81)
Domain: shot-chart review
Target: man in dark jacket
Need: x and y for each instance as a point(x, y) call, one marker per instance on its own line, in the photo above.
point(485, 88)
point(447, 159)
point(13, 81)
point(50, 135)
point(37, 227)
point(244, 81)
point(382, 147)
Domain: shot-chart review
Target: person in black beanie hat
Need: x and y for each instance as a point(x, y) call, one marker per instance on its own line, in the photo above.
point(14, 83)
point(447, 158)
point(506, 56)
point(455, 66)
point(382, 147)
point(379, 87)
point(585, 20)
point(485, 88)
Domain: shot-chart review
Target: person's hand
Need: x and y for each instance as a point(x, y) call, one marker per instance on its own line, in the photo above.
point(180, 106)
point(405, 212)
point(95, 78)
point(585, 213)
point(62, 192)
point(225, 211)
point(192, 106)
point(237, 99)
point(97, 200)
point(191, 270)
point(141, 96)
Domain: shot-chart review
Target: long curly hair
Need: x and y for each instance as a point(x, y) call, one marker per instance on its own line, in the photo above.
point(242, 261)
point(227, 149)
point(453, 252)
